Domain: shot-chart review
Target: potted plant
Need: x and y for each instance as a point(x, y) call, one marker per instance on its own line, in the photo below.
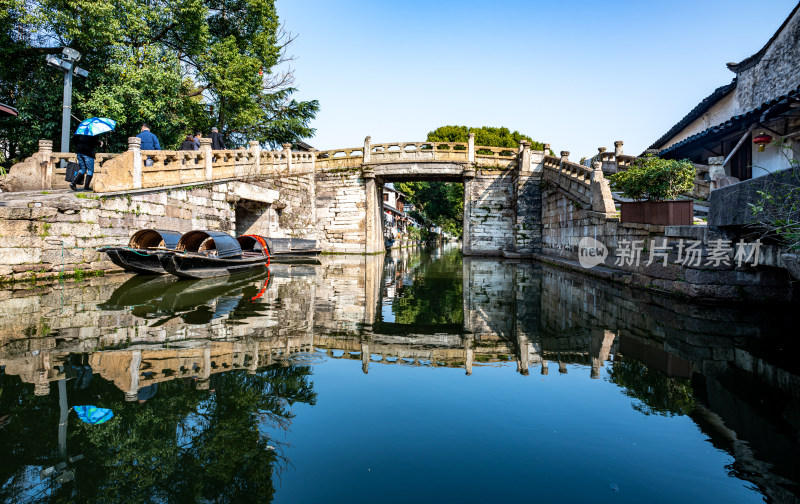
point(654, 183)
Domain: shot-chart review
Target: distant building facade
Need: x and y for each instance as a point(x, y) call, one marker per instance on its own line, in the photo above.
point(732, 123)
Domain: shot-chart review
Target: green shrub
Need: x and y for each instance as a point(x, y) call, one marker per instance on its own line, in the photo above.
point(655, 179)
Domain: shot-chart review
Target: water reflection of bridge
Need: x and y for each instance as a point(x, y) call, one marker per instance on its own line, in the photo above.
point(509, 312)
point(535, 316)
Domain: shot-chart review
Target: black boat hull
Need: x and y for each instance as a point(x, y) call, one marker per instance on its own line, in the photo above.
point(198, 266)
point(143, 262)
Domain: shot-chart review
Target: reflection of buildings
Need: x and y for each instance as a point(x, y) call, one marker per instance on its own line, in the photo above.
point(397, 222)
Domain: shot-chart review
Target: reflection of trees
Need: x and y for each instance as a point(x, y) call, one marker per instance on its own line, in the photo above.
point(657, 394)
point(183, 445)
point(435, 294)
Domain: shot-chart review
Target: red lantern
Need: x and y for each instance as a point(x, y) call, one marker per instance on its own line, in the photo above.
point(762, 140)
point(260, 71)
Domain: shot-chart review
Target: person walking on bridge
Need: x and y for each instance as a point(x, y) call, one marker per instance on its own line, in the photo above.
point(188, 143)
point(85, 146)
point(217, 142)
point(149, 142)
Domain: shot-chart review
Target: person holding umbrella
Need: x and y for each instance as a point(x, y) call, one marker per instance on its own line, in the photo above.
point(86, 141)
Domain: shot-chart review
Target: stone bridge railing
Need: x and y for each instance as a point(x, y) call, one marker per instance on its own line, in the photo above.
point(411, 152)
point(586, 185)
point(141, 169)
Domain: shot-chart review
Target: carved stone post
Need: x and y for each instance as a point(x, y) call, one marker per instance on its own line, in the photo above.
point(367, 149)
point(564, 159)
point(255, 148)
point(45, 150)
point(287, 151)
point(208, 158)
point(601, 342)
point(618, 148)
point(313, 153)
point(602, 200)
point(523, 358)
point(136, 362)
point(525, 157)
point(471, 148)
point(253, 367)
point(205, 376)
point(716, 169)
point(469, 356)
point(469, 178)
point(365, 357)
point(135, 146)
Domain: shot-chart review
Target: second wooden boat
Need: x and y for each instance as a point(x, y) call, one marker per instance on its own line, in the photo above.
point(207, 254)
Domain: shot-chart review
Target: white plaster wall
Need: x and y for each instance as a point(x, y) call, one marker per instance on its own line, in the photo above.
point(771, 160)
point(720, 112)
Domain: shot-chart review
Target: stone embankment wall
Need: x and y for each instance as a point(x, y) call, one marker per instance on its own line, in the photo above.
point(61, 234)
point(565, 222)
point(45, 235)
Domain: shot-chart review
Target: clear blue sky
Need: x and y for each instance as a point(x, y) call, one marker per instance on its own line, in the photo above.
point(575, 74)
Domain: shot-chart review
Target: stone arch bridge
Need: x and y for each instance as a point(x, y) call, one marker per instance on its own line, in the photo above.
point(333, 196)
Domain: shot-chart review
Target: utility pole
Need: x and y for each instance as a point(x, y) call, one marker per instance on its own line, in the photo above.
point(68, 64)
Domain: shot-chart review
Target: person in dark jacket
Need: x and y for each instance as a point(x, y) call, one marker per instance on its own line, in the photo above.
point(197, 137)
point(217, 143)
point(149, 142)
point(188, 143)
point(85, 146)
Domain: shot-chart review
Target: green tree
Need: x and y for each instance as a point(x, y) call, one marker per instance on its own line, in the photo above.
point(182, 445)
point(657, 394)
point(655, 179)
point(177, 65)
point(485, 135)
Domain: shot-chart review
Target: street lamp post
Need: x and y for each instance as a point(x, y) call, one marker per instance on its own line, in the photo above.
point(68, 64)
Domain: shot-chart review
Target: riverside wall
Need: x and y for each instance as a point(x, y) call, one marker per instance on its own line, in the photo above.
point(565, 222)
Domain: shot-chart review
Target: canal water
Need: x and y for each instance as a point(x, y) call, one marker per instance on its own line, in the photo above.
point(419, 377)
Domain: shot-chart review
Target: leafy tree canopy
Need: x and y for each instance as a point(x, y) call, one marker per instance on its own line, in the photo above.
point(485, 135)
point(176, 65)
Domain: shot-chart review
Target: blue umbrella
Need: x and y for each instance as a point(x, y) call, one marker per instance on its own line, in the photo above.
point(96, 126)
point(93, 415)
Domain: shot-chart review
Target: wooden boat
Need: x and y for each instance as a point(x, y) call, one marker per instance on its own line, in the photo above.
point(292, 250)
point(206, 254)
point(140, 255)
